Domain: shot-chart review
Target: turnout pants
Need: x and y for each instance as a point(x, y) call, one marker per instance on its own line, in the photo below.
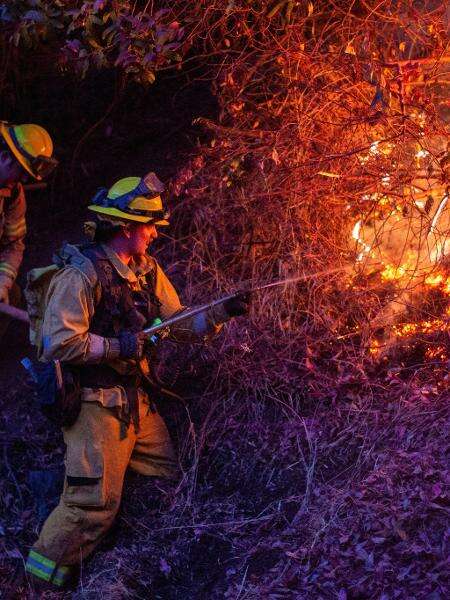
point(98, 454)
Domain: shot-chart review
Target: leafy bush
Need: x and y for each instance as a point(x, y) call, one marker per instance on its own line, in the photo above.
point(96, 34)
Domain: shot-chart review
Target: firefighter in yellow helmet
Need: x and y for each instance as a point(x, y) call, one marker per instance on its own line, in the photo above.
point(25, 151)
point(104, 294)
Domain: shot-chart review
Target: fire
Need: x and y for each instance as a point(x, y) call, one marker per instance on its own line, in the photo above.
point(401, 231)
point(422, 153)
point(356, 236)
point(434, 280)
point(428, 326)
point(385, 180)
point(390, 272)
point(374, 147)
point(408, 269)
point(440, 281)
point(405, 329)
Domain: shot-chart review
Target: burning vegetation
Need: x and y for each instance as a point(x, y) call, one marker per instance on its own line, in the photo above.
point(331, 150)
point(314, 448)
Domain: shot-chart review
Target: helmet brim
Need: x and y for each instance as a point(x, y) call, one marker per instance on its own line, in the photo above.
point(118, 215)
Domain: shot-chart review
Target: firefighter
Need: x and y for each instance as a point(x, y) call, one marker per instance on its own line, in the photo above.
point(99, 301)
point(25, 151)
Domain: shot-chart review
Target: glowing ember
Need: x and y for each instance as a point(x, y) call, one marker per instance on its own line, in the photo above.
point(374, 348)
point(437, 352)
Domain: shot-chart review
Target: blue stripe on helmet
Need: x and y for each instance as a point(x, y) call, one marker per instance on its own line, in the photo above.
point(20, 148)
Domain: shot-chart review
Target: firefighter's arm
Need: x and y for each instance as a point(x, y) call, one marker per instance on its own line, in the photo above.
point(203, 324)
point(11, 242)
point(70, 308)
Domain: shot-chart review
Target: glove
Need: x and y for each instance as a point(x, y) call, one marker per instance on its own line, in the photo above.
point(238, 305)
point(132, 344)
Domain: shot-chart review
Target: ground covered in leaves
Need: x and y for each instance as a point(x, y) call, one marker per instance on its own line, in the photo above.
point(340, 497)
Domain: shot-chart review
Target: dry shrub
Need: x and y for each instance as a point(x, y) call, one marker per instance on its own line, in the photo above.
point(322, 109)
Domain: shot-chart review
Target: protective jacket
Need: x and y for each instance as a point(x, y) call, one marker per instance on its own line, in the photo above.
point(12, 232)
point(91, 298)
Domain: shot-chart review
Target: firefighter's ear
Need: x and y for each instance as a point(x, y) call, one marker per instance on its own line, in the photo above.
point(127, 231)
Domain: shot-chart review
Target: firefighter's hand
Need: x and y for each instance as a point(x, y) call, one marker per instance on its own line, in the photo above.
point(238, 305)
point(132, 345)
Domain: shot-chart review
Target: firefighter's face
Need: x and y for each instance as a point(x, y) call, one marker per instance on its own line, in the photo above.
point(141, 235)
point(10, 169)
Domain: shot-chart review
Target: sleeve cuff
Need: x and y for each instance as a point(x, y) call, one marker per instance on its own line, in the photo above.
point(112, 348)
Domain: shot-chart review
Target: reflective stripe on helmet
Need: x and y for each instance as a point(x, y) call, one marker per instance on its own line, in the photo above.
point(18, 146)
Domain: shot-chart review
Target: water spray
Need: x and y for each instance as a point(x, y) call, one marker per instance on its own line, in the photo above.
point(191, 312)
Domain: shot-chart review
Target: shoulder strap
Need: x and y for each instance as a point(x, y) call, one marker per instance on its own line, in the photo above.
point(105, 270)
point(73, 255)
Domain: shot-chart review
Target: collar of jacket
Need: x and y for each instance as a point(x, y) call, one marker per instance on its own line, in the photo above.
point(130, 273)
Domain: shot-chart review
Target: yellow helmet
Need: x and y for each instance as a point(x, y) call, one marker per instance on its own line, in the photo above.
point(132, 199)
point(32, 146)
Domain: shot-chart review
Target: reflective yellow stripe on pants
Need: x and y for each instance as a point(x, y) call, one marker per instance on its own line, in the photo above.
point(46, 569)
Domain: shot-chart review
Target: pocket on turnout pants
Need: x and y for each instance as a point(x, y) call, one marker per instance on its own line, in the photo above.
point(84, 484)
